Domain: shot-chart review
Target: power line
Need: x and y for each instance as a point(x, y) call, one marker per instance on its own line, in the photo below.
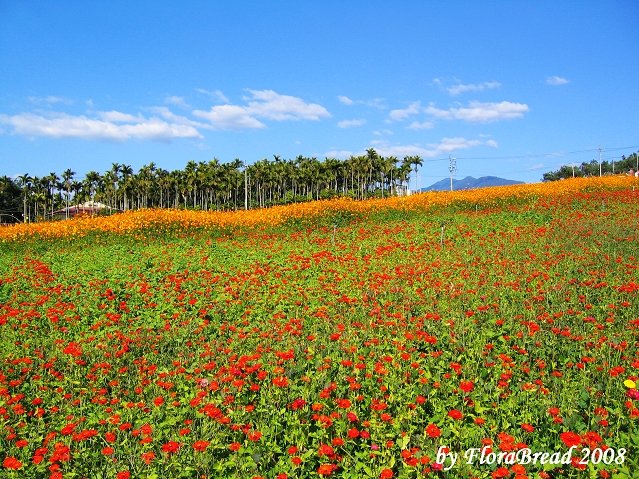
point(541, 155)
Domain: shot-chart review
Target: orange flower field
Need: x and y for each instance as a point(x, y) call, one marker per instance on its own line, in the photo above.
point(141, 219)
point(490, 333)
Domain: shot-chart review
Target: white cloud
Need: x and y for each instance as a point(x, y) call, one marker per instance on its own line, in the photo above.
point(272, 105)
point(421, 125)
point(118, 117)
point(556, 81)
point(351, 123)
point(229, 117)
point(478, 112)
point(459, 88)
point(164, 125)
point(113, 126)
point(402, 113)
point(345, 100)
point(261, 104)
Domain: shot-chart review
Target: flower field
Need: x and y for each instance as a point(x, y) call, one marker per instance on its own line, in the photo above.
point(483, 334)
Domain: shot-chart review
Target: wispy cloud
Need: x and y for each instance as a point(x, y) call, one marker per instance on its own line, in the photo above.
point(216, 95)
point(556, 81)
point(457, 87)
point(50, 100)
point(351, 123)
point(177, 101)
point(460, 88)
point(378, 103)
point(421, 125)
point(340, 154)
point(432, 150)
point(478, 112)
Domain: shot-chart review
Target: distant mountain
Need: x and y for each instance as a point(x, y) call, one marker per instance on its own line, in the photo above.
point(469, 183)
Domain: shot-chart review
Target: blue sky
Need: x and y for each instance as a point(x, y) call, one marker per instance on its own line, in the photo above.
point(510, 88)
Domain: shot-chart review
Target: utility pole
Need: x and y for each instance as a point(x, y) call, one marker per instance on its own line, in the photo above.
point(599, 160)
point(452, 167)
point(245, 188)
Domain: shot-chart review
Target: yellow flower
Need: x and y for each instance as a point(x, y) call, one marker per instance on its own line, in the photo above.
point(630, 384)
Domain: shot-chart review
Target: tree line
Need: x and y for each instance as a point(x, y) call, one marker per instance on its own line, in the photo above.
point(626, 165)
point(207, 185)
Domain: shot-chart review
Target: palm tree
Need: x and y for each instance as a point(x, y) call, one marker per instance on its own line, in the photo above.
point(51, 183)
point(414, 161)
point(127, 172)
point(67, 178)
point(25, 182)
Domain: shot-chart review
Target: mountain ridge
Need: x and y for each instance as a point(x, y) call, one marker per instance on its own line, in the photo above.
point(470, 182)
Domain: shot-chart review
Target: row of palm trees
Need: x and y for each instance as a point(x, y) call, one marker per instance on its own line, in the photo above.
point(220, 186)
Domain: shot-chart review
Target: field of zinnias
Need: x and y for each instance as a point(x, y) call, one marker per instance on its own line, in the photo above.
point(490, 334)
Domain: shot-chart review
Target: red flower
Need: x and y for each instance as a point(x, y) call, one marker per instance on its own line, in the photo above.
point(570, 439)
point(433, 431)
point(254, 436)
point(466, 386)
point(353, 433)
point(326, 469)
point(171, 447)
point(235, 446)
point(11, 463)
point(325, 450)
point(147, 457)
point(123, 475)
point(280, 381)
point(455, 414)
point(386, 474)
point(527, 427)
point(501, 472)
point(107, 451)
point(200, 446)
